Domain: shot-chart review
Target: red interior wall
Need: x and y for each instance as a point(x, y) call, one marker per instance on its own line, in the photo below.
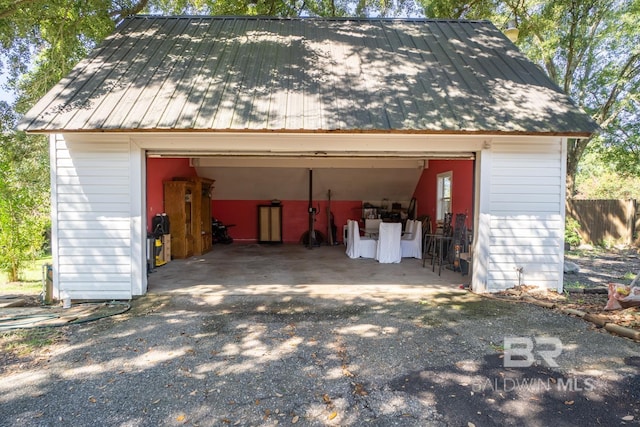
point(295, 217)
point(461, 192)
point(158, 171)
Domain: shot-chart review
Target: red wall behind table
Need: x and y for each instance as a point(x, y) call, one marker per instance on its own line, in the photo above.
point(461, 192)
point(295, 219)
point(244, 213)
point(158, 171)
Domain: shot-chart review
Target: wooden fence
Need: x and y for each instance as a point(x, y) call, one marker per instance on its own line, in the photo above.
point(606, 221)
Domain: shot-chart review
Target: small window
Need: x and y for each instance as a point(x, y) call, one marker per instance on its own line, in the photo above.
point(443, 201)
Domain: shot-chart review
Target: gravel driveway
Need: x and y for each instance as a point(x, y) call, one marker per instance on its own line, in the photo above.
point(415, 359)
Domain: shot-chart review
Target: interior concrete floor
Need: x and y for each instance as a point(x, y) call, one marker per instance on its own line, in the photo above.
point(243, 269)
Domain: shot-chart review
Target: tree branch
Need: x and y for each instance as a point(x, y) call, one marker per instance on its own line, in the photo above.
point(14, 8)
point(627, 72)
point(571, 49)
point(129, 11)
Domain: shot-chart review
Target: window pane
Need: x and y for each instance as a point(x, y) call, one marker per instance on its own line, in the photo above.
point(443, 199)
point(446, 207)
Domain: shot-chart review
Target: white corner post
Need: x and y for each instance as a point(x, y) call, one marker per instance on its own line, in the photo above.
point(482, 222)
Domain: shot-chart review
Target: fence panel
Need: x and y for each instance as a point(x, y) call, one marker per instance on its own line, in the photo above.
point(605, 221)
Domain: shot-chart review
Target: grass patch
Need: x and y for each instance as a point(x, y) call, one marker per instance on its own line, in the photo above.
point(574, 285)
point(499, 348)
point(585, 253)
point(22, 288)
point(23, 342)
point(451, 308)
point(30, 279)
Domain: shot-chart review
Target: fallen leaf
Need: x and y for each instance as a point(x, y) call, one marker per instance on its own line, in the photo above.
point(180, 418)
point(92, 399)
point(346, 372)
point(568, 402)
point(333, 415)
point(257, 401)
point(295, 419)
point(359, 390)
point(193, 393)
point(326, 398)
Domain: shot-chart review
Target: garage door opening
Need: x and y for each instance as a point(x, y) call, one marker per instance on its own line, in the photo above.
point(360, 187)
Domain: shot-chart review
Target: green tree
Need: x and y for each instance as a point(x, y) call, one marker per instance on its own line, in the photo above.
point(23, 195)
point(590, 48)
point(620, 150)
point(599, 179)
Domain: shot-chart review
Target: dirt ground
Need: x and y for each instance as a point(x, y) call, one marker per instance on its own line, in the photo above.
point(586, 289)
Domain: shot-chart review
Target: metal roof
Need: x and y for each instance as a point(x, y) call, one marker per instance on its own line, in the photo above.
point(204, 73)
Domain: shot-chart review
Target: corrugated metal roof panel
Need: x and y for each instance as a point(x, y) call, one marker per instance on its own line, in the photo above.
point(267, 74)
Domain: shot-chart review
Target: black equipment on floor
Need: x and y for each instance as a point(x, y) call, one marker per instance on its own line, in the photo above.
point(220, 232)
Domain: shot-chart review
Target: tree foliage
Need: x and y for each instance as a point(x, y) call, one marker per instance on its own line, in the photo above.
point(602, 175)
point(24, 194)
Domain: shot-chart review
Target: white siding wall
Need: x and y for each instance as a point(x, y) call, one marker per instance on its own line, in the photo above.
point(521, 214)
point(95, 220)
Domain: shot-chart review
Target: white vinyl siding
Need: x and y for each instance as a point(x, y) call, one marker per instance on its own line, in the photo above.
point(92, 219)
point(524, 214)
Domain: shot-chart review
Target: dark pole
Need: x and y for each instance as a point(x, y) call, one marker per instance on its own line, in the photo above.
point(311, 236)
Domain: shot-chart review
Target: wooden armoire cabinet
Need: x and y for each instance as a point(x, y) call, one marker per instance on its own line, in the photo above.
point(187, 203)
point(179, 206)
point(269, 224)
point(202, 232)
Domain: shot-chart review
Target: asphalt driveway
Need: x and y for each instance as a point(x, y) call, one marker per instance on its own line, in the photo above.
point(394, 357)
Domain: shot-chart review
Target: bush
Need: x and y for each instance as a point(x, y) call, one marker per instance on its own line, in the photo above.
point(572, 232)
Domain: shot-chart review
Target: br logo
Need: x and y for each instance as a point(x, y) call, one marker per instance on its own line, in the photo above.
point(521, 352)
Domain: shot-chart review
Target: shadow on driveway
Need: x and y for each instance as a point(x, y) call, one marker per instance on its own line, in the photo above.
point(428, 358)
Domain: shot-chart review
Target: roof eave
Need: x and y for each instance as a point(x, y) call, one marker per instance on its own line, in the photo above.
point(564, 134)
